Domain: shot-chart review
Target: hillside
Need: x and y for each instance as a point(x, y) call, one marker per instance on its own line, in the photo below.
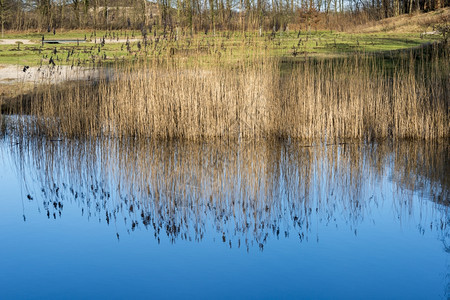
point(420, 23)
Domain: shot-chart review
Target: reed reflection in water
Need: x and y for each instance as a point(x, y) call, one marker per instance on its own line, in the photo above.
point(243, 194)
point(319, 221)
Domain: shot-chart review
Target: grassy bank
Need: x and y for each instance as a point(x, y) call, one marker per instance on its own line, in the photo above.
point(356, 97)
point(102, 48)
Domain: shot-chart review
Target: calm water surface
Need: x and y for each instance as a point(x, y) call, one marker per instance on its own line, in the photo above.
point(120, 219)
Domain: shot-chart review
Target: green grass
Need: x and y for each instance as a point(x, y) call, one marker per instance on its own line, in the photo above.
point(229, 46)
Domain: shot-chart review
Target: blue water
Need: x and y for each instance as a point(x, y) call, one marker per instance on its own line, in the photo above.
point(248, 220)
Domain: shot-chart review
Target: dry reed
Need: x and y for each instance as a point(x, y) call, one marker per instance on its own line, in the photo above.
point(359, 97)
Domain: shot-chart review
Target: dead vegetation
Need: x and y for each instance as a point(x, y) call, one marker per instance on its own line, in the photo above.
point(360, 97)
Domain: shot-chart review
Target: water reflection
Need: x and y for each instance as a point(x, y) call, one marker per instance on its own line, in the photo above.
point(243, 194)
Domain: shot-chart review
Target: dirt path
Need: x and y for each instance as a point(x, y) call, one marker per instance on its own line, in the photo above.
point(14, 41)
point(12, 74)
point(107, 41)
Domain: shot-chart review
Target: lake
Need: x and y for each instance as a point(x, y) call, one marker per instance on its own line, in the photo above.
point(120, 218)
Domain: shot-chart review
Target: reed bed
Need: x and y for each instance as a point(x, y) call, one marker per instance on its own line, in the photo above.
point(351, 99)
point(359, 97)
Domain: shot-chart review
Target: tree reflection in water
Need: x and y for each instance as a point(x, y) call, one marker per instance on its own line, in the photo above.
point(244, 193)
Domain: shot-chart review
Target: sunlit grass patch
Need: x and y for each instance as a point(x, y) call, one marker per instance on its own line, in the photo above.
point(99, 47)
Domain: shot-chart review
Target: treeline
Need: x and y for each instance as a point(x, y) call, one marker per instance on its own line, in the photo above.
point(201, 15)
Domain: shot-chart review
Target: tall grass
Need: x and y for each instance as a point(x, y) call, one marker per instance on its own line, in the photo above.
point(358, 97)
